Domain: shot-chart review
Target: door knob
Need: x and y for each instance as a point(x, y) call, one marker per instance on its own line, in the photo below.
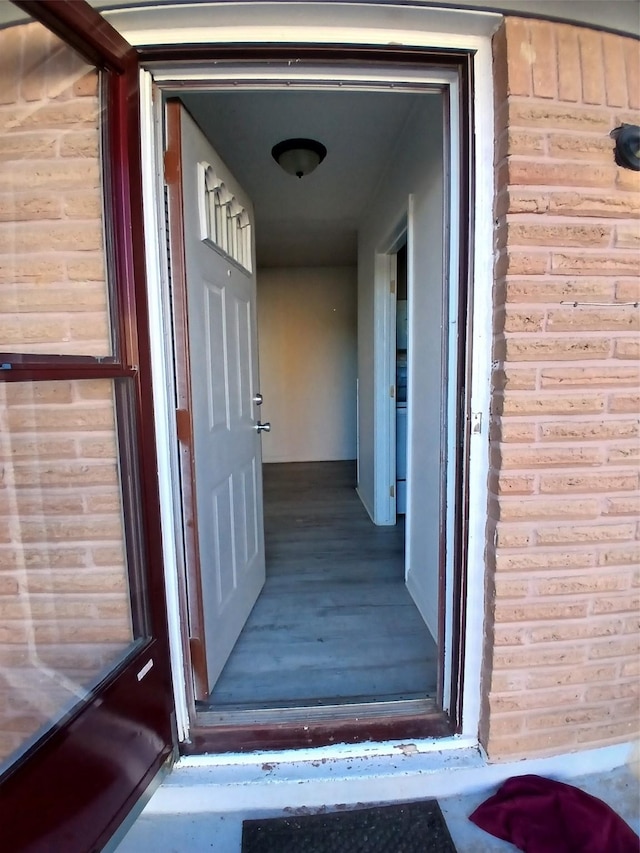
point(263, 427)
point(258, 399)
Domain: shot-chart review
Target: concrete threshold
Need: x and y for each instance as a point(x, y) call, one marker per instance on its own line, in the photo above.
point(201, 804)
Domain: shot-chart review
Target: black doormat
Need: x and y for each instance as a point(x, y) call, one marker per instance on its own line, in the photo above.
point(417, 827)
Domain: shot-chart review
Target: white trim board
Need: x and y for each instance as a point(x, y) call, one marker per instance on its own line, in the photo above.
point(259, 22)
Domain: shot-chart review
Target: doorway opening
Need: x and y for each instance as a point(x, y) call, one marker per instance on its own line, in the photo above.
point(336, 461)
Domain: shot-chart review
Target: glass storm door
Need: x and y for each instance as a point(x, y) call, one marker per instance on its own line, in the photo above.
point(85, 696)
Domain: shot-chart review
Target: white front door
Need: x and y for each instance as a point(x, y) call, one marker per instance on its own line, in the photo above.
point(223, 352)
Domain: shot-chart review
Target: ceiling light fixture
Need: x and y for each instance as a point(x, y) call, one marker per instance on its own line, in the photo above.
point(299, 157)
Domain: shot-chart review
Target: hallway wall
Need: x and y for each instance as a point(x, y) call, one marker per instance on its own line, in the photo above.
point(308, 347)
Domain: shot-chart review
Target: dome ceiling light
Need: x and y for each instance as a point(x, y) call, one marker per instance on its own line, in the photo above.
point(299, 157)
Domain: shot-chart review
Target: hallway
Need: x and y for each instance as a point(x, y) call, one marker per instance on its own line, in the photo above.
point(334, 623)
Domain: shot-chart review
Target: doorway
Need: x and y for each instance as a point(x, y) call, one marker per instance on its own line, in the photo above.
point(364, 234)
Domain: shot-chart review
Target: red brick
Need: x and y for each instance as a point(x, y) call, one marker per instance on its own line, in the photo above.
point(515, 262)
point(537, 560)
point(627, 180)
point(520, 320)
point(586, 674)
point(515, 200)
point(594, 263)
point(534, 612)
point(628, 236)
point(514, 141)
point(591, 66)
point(623, 403)
point(605, 204)
point(580, 629)
point(10, 65)
point(545, 73)
point(569, 73)
point(592, 376)
point(618, 647)
point(517, 432)
point(626, 555)
point(585, 533)
point(84, 143)
point(28, 146)
point(525, 113)
point(614, 71)
point(86, 85)
point(519, 56)
point(628, 291)
point(505, 484)
point(530, 744)
point(595, 148)
point(539, 234)
point(622, 603)
point(531, 509)
point(516, 380)
point(573, 584)
point(545, 457)
point(559, 290)
point(582, 482)
point(540, 656)
point(627, 348)
point(624, 454)
point(603, 319)
point(557, 349)
point(570, 717)
point(632, 60)
point(29, 207)
point(628, 505)
point(553, 404)
point(507, 587)
point(554, 173)
point(597, 430)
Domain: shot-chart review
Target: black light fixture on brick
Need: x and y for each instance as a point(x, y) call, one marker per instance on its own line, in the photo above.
point(627, 150)
point(299, 157)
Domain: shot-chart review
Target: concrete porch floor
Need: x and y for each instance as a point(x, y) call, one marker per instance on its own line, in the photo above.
point(160, 831)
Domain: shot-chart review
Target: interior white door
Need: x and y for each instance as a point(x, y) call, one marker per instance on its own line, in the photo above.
point(223, 350)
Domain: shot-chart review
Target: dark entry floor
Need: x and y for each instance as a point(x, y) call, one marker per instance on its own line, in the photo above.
point(334, 623)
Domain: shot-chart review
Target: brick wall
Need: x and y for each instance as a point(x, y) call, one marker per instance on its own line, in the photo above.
point(53, 297)
point(64, 602)
point(563, 586)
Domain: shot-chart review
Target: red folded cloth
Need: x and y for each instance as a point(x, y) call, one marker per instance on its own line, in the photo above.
point(541, 815)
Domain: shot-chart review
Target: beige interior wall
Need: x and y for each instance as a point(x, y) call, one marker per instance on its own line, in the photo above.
point(308, 362)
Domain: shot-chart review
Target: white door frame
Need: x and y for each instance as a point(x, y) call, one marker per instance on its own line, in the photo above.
point(478, 399)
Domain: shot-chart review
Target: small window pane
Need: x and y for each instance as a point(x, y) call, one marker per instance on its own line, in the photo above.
point(65, 605)
point(53, 287)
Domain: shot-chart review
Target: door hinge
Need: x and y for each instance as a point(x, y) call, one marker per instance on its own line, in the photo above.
point(392, 391)
point(392, 491)
point(476, 423)
point(183, 425)
point(171, 167)
point(392, 287)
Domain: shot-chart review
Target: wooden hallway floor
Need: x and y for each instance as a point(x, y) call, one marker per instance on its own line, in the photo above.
point(334, 623)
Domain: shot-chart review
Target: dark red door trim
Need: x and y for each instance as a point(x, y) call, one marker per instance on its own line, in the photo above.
point(82, 27)
point(74, 787)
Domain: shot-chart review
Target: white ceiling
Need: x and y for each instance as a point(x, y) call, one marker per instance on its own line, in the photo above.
point(310, 221)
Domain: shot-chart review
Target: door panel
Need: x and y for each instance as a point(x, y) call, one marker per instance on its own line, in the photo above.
point(222, 342)
point(83, 638)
